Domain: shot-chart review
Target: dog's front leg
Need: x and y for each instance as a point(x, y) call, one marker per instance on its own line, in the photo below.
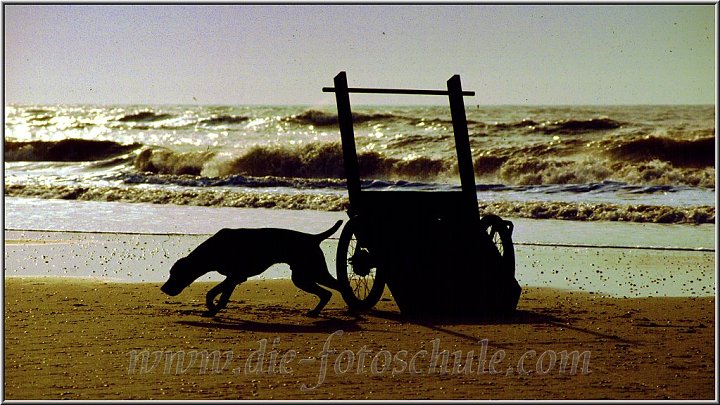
point(225, 297)
point(210, 298)
point(225, 288)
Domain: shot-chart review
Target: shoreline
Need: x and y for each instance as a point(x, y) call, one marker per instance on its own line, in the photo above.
point(615, 271)
point(87, 340)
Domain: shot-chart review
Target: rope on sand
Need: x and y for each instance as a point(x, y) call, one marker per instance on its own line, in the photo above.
point(541, 244)
point(584, 246)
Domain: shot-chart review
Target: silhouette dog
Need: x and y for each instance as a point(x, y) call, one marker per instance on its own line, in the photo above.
point(242, 253)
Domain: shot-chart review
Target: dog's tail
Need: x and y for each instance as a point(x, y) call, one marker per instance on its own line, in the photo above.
point(324, 235)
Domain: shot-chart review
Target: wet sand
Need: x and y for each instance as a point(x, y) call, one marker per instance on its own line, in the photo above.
point(80, 339)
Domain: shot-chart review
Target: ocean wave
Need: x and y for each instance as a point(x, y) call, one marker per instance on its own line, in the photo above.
point(185, 180)
point(531, 170)
point(416, 141)
point(488, 164)
point(66, 150)
point(144, 116)
point(226, 198)
point(165, 161)
point(224, 120)
point(196, 197)
point(340, 185)
point(534, 165)
point(695, 153)
point(323, 119)
point(504, 126)
point(315, 160)
point(41, 119)
point(38, 111)
point(572, 126)
point(438, 121)
point(320, 160)
point(602, 212)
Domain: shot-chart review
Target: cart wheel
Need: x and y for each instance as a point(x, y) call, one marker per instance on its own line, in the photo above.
point(500, 232)
point(356, 271)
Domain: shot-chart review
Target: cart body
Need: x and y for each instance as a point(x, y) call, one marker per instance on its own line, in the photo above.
point(433, 250)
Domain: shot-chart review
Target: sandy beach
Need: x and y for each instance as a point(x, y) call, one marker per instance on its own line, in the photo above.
point(85, 319)
point(81, 338)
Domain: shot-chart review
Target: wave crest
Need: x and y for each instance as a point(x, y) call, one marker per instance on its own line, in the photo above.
point(578, 126)
point(224, 120)
point(165, 161)
point(324, 160)
point(602, 212)
point(535, 171)
point(144, 116)
point(325, 119)
point(66, 150)
point(696, 153)
point(321, 160)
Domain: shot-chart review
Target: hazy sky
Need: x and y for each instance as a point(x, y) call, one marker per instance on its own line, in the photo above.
point(285, 54)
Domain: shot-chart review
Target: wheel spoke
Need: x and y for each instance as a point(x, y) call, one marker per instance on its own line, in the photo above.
point(497, 240)
point(352, 246)
point(357, 271)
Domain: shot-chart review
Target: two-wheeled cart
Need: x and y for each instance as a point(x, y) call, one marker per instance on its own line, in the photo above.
point(431, 248)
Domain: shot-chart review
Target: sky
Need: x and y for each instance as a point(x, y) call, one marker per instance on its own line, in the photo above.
point(285, 54)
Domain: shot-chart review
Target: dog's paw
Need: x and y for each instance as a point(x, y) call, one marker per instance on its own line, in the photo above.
point(313, 314)
point(208, 314)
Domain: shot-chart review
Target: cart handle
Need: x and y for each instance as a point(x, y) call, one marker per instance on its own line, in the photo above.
point(396, 91)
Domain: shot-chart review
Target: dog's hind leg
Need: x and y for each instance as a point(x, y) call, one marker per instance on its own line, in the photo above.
point(330, 282)
point(323, 276)
point(313, 288)
point(226, 288)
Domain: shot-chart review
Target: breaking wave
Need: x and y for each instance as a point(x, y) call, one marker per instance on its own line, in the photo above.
point(165, 161)
point(532, 170)
point(316, 160)
point(680, 153)
point(533, 165)
point(66, 150)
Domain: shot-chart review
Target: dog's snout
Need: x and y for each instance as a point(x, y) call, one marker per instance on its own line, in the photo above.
point(167, 289)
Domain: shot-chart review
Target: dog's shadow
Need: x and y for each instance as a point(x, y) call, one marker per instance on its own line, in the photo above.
point(332, 320)
point(325, 323)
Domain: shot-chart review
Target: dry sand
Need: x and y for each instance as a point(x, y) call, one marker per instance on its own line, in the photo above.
point(79, 339)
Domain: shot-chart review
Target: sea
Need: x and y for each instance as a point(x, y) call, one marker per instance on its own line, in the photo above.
point(583, 163)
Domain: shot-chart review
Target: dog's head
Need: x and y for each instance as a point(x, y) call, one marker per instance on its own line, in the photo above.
point(182, 274)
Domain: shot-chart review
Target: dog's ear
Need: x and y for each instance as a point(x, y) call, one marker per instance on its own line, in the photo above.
point(178, 264)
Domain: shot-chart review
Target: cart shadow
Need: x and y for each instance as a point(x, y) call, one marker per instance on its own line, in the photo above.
point(519, 317)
